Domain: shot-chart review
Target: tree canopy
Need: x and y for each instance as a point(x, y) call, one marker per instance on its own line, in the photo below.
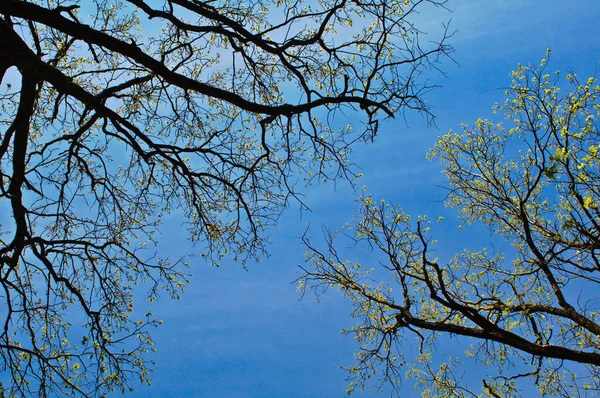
point(117, 113)
point(528, 311)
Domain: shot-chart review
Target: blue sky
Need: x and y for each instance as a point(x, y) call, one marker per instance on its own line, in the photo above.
point(239, 333)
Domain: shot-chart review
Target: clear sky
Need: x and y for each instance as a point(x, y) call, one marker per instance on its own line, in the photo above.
point(239, 333)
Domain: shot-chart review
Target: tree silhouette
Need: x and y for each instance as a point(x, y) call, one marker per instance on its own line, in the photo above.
point(529, 311)
point(117, 113)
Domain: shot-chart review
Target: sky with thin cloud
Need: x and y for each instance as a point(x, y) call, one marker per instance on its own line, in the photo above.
point(248, 333)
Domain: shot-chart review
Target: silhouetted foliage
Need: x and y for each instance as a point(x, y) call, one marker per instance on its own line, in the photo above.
point(117, 113)
point(530, 312)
